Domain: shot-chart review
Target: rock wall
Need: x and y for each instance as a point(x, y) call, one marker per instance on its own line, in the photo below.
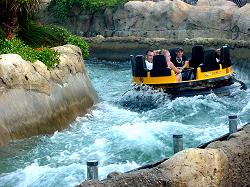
point(120, 48)
point(237, 150)
point(222, 164)
point(173, 19)
point(36, 101)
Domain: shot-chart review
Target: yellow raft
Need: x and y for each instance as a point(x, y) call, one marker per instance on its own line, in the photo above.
point(206, 73)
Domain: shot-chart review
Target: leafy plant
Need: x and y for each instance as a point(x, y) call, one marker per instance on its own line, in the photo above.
point(63, 7)
point(15, 18)
point(38, 35)
point(49, 36)
point(43, 37)
point(16, 46)
point(48, 56)
point(68, 38)
point(97, 5)
point(75, 40)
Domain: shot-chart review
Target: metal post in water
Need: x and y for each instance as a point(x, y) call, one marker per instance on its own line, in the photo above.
point(233, 122)
point(92, 169)
point(177, 142)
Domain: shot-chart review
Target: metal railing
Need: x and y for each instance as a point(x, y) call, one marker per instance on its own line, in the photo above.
point(92, 165)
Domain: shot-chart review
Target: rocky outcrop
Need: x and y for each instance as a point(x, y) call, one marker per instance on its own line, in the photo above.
point(221, 164)
point(194, 166)
point(237, 150)
point(167, 19)
point(36, 101)
point(18, 73)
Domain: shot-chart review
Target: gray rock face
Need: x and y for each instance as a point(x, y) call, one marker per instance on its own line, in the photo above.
point(237, 149)
point(37, 101)
point(167, 19)
point(197, 167)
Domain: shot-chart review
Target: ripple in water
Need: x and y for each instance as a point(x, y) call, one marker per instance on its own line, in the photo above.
point(123, 131)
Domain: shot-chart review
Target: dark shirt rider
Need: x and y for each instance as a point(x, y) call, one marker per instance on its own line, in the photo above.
point(180, 60)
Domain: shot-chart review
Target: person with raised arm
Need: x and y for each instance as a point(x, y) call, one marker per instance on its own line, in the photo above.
point(172, 66)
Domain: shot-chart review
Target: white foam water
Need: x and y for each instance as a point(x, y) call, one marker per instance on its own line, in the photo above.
point(122, 132)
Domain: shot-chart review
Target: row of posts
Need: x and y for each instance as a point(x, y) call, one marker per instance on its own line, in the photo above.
point(92, 165)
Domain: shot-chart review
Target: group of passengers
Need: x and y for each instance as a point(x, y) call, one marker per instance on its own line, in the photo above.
point(177, 64)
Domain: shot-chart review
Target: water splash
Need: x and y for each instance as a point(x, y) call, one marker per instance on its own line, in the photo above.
point(122, 131)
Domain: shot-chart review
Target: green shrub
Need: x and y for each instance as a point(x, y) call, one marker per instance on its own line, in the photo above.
point(48, 56)
point(43, 37)
point(15, 46)
point(99, 5)
point(36, 35)
point(74, 40)
point(62, 7)
point(48, 36)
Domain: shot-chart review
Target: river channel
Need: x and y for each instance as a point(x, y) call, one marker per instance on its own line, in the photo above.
point(123, 131)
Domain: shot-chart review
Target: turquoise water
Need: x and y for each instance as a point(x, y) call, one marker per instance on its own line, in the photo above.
point(122, 131)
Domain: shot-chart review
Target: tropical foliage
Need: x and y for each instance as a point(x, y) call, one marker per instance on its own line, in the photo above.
point(16, 12)
point(48, 56)
point(37, 35)
point(68, 38)
point(63, 7)
point(18, 34)
point(41, 37)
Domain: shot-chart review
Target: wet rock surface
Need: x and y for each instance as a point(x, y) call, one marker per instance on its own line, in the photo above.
point(237, 150)
point(37, 101)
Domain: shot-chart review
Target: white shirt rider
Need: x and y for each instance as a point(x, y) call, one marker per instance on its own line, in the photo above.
point(149, 59)
point(149, 65)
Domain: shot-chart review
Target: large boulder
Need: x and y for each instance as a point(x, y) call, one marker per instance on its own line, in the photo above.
point(18, 73)
point(71, 63)
point(237, 150)
point(36, 101)
point(211, 18)
point(223, 3)
point(197, 167)
point(152, 19)
point(241, 23)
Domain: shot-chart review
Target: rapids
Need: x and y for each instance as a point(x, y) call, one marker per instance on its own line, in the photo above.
point(122, 131)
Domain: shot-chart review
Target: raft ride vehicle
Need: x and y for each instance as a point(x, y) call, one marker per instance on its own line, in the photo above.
point(206, 74)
